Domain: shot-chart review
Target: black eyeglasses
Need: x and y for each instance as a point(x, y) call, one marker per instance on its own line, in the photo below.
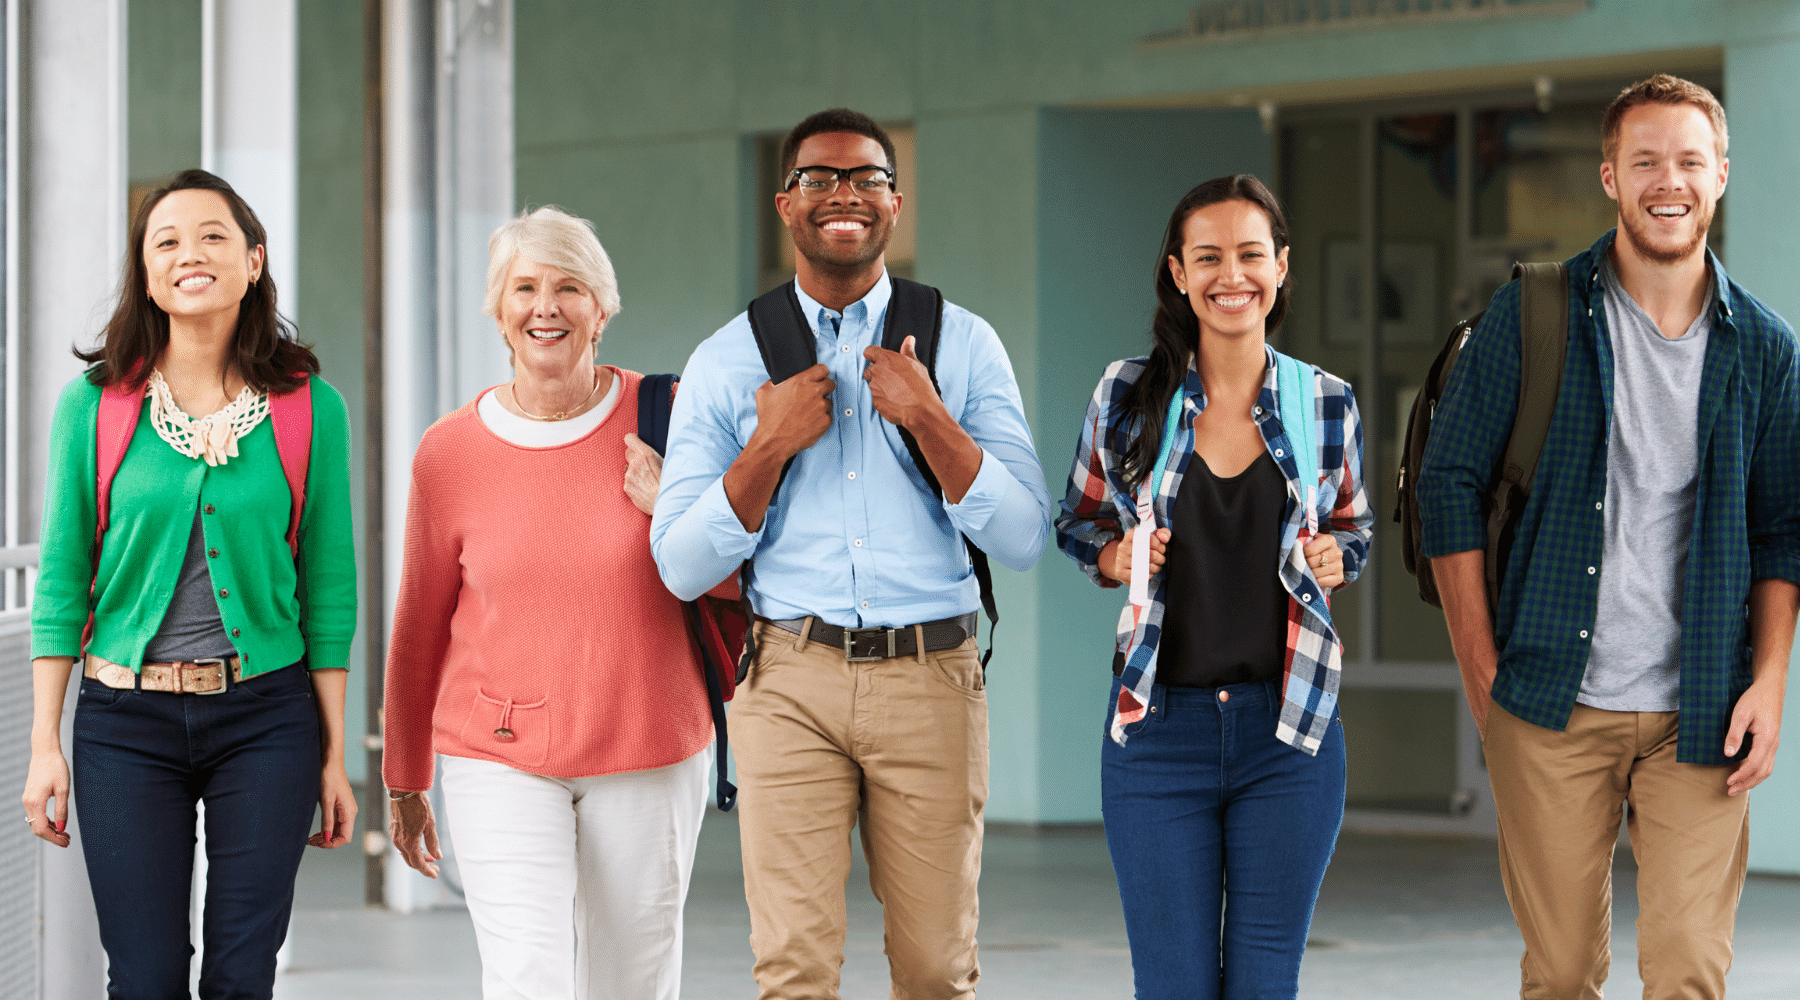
point(818, 183)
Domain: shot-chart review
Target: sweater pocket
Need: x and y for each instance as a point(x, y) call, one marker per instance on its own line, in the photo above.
point(515, 732)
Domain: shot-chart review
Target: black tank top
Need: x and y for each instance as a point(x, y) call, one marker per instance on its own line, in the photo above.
point(1225, 616)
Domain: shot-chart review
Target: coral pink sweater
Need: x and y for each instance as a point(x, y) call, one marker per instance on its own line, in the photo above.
point(532, 628)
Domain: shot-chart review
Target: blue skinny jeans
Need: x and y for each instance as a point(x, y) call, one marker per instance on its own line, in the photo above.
point(1220, 835)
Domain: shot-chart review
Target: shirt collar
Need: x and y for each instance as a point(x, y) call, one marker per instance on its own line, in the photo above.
point(864, 310)
point(1586, 273)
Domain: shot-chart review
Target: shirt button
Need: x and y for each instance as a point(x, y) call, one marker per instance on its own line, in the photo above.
point(848, 411)
point(1590, 571)
point(1584, 633)
point(845, 348)
point(209, 508)
point(1256, 410)
point(1597, 505)
point(1279, 453)
point(857, 543)
point(865, 604)
point(1306, 598)
point(1224, 695)
point(212, 553)
point(224, 593)
point(235, 633)
point(852, 475)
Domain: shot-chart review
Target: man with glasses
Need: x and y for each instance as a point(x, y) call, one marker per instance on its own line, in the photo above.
point(850, 544)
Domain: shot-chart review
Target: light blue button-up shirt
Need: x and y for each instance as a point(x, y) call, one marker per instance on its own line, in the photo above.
point(854, 535)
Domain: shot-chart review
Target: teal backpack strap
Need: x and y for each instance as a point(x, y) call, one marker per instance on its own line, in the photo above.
point(1295, 385)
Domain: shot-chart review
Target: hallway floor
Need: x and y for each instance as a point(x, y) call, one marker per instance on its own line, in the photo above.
point(1399, 918)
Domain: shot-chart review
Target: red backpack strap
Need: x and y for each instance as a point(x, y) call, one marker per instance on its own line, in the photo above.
point(113, 427)
point(292, 417)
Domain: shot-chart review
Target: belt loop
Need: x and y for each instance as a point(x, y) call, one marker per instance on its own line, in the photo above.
point(137, 679)
point(919, 642)
point(805, 634)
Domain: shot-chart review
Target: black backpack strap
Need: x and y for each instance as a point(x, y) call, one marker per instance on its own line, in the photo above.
point(1543, 347)
point(785, 340)
point(725, 791)
point(917, 311)
point(656, 399)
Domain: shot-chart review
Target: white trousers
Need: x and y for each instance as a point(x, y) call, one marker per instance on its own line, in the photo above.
point(575, 885)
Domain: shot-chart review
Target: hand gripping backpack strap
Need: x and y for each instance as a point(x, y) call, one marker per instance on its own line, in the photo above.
point(291, 416)
point(656, 400)
point(1543, 347)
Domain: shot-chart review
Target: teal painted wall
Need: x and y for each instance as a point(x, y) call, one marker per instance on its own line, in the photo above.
point(1762, 90)
point(1039, 216)
point(1107, 181)
point(329, 292)
point(163, 77)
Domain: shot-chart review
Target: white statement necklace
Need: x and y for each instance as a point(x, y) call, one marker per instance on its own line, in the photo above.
point(213, 437)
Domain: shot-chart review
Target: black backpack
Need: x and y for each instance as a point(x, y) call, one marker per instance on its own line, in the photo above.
point(786, 341)
point(717, 626)
point(1543, 344)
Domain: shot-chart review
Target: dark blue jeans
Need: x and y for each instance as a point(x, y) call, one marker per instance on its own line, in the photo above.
point(142, 761)
point(1220, 835)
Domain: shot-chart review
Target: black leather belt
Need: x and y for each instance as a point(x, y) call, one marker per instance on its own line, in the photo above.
point(861, 644)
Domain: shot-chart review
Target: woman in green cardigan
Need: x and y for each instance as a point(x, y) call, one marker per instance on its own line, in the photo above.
point(220, 632)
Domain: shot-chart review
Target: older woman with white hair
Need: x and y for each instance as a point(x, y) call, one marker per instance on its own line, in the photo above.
point(536, 649)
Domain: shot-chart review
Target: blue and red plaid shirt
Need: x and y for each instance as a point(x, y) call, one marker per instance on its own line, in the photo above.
point(1101, 506)
point(1746, 505)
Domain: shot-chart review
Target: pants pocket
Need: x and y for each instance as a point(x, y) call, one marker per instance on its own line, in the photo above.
point(515, 732)
point(960, 667)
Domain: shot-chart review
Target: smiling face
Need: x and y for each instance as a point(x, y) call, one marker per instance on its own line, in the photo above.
point(846, 231)
point(197, 261)
point(550, 321)
point(1229, 267)
point(1667, 175)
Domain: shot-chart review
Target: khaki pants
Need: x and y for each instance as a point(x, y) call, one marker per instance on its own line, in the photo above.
point(901, 744)
point(1560, 797)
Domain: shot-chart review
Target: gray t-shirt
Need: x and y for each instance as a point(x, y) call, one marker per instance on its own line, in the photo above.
point(1652, 469)
point(191, 629)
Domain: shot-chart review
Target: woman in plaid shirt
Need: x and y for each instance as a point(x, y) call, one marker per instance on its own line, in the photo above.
point(1225, 757)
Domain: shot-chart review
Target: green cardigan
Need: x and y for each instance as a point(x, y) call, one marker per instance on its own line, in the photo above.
point(274, 610)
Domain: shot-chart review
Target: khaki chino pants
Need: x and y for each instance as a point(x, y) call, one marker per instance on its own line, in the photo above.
point(1560, 798)
point(900, 744)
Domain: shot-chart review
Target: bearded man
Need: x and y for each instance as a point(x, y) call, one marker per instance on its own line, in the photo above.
point(1638, 655)
point(864, 698)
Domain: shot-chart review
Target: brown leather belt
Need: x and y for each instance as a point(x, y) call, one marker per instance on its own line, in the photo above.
point(862, 644)
point(196, 677)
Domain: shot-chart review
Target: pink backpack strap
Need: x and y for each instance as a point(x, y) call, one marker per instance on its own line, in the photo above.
point(292, 416)
point(113, 427)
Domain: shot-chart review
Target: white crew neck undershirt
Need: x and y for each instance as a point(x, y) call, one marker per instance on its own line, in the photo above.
point(515, 429)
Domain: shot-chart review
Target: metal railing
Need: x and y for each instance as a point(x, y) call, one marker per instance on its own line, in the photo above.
point(21, 934)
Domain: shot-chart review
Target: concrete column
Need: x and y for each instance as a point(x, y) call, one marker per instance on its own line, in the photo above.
point(1762, 95)
point(475, 186)
point(68, 157)
point(249, 82)
point(410, 359)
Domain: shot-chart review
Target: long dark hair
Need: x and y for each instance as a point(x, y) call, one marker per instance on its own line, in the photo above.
point(1175, 330)
point(265, 347)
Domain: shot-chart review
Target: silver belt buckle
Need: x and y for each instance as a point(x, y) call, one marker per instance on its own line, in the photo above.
point(850, 647)
point(224, 666)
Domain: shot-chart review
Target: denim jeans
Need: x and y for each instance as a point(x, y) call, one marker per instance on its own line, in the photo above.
point(1220, 835)
point(142, 760)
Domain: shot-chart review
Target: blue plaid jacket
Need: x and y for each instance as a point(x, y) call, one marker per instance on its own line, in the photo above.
point(1746, 513)
point(1100, 506)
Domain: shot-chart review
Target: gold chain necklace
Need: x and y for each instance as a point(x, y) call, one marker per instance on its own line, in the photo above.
point(560, 414)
